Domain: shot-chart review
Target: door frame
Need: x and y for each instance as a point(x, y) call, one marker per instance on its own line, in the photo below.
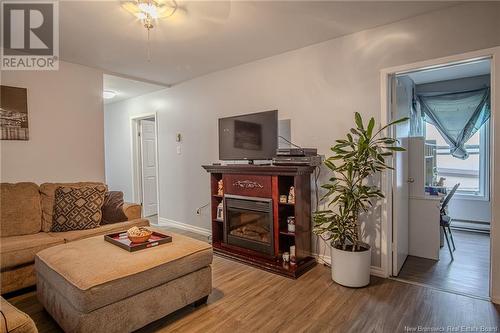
point(387, 178)
point(136, 162)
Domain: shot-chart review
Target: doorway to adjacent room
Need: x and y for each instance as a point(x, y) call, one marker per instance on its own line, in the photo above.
point(441, 186)
point(145, 163)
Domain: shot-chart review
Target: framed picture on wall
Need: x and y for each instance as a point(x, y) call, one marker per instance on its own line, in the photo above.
point(14, 113)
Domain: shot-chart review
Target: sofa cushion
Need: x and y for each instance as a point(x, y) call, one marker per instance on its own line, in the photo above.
point(20, 212)
point(77, 208)
point(17, 321)
point(70, 236)
point(19, 250)
point(92, 273)
point(132, 210)
point(112, 209)
point(47, 193)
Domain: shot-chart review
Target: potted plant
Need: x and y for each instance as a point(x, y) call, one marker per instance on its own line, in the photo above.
point(358, 157)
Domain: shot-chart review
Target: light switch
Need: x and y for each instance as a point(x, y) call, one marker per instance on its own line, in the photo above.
point(178, 137)
point(178, 150)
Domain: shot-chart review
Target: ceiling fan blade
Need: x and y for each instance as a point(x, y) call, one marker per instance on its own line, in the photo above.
point(131, 7)
point(216, 11)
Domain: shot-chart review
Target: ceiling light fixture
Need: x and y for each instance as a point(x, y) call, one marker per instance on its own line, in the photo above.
point(149, 11)
point(108, 94)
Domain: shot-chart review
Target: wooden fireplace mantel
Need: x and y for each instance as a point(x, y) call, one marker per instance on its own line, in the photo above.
point(267, 182)
point(249, 169)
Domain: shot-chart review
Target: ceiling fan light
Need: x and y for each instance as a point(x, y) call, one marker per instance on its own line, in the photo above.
point(148, 9)
point(143, 6)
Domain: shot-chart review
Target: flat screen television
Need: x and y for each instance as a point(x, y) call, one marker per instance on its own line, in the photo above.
point(249, 137)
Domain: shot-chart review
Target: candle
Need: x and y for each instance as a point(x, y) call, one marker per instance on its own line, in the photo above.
point(292, 255)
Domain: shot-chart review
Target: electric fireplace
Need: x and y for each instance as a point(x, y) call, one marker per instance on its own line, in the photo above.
point(252, 228)
point(248, 223)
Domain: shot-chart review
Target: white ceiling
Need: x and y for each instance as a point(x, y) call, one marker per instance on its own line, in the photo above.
point(458, 71)
point(126, 88)
point(208, 36)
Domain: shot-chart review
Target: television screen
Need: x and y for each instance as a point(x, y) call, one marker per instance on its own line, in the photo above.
point(249, 137)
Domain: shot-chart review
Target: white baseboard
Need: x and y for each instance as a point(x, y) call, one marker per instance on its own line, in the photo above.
point(183, 226)
point(320, 258)
point(377, 271)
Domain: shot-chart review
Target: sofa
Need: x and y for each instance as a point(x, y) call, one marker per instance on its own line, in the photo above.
point(25, 228)
point(14, 320)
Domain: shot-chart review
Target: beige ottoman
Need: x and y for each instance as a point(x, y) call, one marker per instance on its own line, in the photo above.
point(91, 285)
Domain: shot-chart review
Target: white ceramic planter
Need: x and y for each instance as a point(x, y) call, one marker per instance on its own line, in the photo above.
point(351, 269)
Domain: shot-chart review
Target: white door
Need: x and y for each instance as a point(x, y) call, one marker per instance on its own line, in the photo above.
point(401, 104)
point(149, 165)
point(400, 209)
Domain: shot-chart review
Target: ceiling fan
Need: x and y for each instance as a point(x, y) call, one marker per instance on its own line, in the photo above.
point(150, 12)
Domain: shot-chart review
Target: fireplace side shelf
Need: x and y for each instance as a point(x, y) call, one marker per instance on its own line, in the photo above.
point(217, 226)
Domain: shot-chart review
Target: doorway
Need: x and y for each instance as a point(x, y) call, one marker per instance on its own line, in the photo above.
point(145, 163)
point(441, 186)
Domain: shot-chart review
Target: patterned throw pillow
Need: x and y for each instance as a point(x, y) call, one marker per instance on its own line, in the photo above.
point(77, 208)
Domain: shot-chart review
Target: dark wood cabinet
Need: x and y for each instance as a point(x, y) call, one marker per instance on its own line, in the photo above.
point(253, 182)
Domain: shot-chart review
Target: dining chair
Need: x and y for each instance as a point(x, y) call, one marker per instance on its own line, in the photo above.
point(445, 220)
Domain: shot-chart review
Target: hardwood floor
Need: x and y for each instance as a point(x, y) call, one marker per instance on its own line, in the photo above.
point(246, 299)
point(468, 273)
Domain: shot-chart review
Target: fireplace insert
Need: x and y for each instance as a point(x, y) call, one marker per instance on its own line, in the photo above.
point(248, 223)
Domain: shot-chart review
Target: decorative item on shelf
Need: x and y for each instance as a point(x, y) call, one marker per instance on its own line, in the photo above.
point(291, 195)
point(432, 190)
point(293, 258)
point(286, 257)
point(283, 198)
point(220, 212)
point(290, 221)
point(440, 183)
point(220, 187)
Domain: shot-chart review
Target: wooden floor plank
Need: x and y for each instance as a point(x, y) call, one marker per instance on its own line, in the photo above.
point(468, 273)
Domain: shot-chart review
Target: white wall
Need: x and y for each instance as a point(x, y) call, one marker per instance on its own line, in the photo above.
point(318, 87)
point(65, 114)
point(464, 209)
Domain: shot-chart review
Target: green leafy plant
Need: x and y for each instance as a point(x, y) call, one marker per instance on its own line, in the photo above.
point(358, 157)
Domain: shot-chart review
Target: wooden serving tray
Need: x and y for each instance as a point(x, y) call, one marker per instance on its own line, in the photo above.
point(125, 243)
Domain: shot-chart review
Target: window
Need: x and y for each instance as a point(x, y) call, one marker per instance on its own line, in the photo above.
point(472, 173)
